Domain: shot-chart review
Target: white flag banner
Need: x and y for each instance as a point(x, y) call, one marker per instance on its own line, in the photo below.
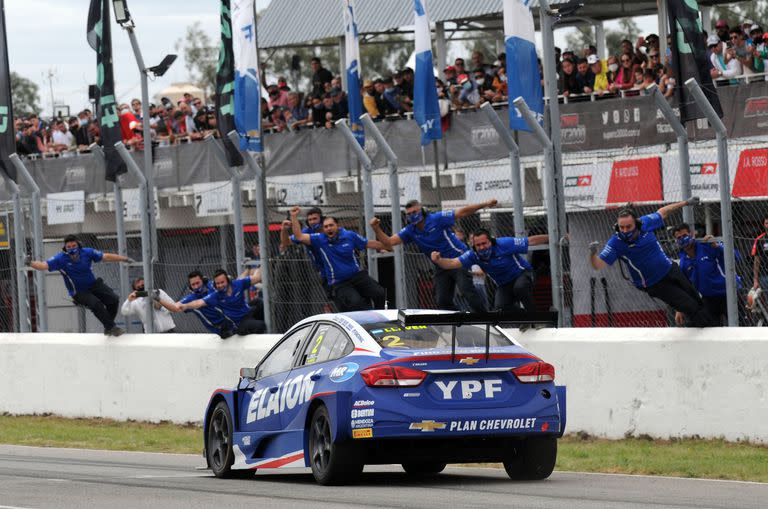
point(66, 208)
point(410, 188)
point(301, 189)
point(131, 209)
point(213, 198)
point(491, 182)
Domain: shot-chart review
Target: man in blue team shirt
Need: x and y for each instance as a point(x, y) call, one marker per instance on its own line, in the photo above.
point(74, 264)
point(635, 244)
point(229, 297)
point(211, 317)
point(703, 263)
point(501, 260)
point(314, 222)
point(434, 232)
point(351, 288)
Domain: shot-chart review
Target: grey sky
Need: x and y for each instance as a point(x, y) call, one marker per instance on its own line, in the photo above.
point(48, 35)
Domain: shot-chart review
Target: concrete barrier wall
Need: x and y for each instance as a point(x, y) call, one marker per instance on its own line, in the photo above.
point(660, 382)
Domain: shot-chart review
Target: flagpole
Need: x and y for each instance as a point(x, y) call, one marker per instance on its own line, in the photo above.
point(438, 187)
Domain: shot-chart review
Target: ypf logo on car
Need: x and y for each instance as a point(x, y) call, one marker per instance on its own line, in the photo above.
point(468, 389)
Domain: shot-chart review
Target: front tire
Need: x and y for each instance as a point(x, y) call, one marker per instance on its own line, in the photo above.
point(534, 459)
point(219, 449)
point(423, 468)
point(332, 463)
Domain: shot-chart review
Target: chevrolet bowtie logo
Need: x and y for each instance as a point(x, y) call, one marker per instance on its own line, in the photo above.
point(427, 425)
point(469, 361)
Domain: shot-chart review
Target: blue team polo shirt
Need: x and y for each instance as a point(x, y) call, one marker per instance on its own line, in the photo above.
point(312, 252)
point(646, 262)
point(338, 255)
point(437, 235)
point(706, 270)
point(78, 276)
point(232, 306)
point(210, 317)
point(505, 263)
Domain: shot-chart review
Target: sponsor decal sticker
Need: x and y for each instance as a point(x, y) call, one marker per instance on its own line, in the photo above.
point(363, 402)
point(363, 412)
point(362, 433)
point(578, 181)
point(412, 395)
point(493, 424)
point(468, 389)
point(246, 440)
point(427, 426)
point(289, 394)
point(344, 372)
point(469, 361)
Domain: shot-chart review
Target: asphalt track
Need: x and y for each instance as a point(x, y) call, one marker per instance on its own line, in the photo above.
point(42, 478)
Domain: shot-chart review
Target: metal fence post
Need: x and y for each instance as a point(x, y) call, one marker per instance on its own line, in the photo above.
point(237, 203)
point(22, 300)
point(122, 241)
point(401, 299)
point(260, 175)
point(684, 159)
point(724, 177)
point(146, 246)
point(555, 264)
point(38, 252)
point(365, 161)
point(514, 158)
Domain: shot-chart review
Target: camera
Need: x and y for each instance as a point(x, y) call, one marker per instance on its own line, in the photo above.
point(141, 293)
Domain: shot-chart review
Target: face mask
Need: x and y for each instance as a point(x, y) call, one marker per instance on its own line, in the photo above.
point(140, 289)
point(316, 227)
point(627, 236)
point(484, 254)
point(684, 241)
point(74, 251)
point(467, 86)
point(613, 67)
point(479, 81)
point(83, 122)
point(198, 290)
point(223, 291)
point(318, 106)
point(415, 217)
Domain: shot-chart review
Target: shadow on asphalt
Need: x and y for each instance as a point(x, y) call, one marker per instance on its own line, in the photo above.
point(379, 479)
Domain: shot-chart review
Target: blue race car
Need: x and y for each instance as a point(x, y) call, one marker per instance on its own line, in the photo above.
point(423, 389)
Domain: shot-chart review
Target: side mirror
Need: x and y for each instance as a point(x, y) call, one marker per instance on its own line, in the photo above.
point(248, 373)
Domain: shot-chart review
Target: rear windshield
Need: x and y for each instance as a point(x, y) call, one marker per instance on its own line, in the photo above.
point(424, 337)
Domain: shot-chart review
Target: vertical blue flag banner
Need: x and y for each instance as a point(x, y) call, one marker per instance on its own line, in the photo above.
point(7, 138)
point(99, 35)
point(426, 110)
point(247, 83)
point(352, 57)
point(225, 87)
point(524, 78)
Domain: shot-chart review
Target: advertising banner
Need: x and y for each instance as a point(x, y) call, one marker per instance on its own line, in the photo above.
point(636, 181)
point(489, 182)
point(302, 189)
point(213, 199)
point(66, 208)
point(410, 188)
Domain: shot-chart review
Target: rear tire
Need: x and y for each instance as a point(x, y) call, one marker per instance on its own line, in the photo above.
point(424, 468)
point(534, 459)
point(332, 463)
point(219, 449)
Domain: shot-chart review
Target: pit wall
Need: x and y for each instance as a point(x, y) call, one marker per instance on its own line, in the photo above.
point(660, 382)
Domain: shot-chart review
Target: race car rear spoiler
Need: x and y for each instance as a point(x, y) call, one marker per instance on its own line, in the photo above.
point(518, 319)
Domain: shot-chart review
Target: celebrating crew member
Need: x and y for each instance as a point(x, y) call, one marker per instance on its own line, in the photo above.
point(74, 264)
point(760, 254)
point(211, 317)
point(136, 304)
point(229, 298)
point(434, 232)
point(314, 224)
point(703, 263)
point(501, 259)
point(635, 244)
point(351, 288)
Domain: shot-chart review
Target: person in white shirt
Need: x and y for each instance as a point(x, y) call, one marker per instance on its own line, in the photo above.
point(63, 139)
point(136, 304)
point(725, 65)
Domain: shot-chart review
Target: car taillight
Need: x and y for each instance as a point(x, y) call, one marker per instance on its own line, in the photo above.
point(535, 372)
point(392, 376)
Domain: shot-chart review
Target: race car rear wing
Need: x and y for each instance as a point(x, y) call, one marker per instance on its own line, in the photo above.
point(518, 319)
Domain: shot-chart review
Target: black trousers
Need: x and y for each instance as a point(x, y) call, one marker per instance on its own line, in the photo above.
point(717, 307)
point(445, 283)
point(102, 302)
point(253, 322)
point(519, 292)
point(357, 292)
point(677, 291)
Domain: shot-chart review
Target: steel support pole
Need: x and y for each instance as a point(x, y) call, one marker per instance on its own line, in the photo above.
point(551, 203)
point(237, 203)
point(514, 158)
point(259, 174)
point(122, 240)
point(401, 296)
point(441, 49)
point(149, 169)
point(146, 251)
point(602, 46)
point(19, 241)
point(37, 245)
point(663, 30)
point(684, 159)
point(726, 217)
point(367, 165)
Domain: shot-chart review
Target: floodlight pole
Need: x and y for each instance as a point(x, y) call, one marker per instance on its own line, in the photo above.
point(723, 173)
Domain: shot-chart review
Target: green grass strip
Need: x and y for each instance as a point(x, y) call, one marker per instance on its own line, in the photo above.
point(690, 457)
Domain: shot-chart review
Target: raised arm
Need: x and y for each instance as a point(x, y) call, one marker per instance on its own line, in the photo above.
point(38, 265)
point(255, 276)
point(112, 257)
point(377, 245)
point(445, 263)
point(536, 240)
point(388, 241)
point(668, 209)
point(597, 262)
point(285, 235)
point(471, 209)
point(297, 233)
